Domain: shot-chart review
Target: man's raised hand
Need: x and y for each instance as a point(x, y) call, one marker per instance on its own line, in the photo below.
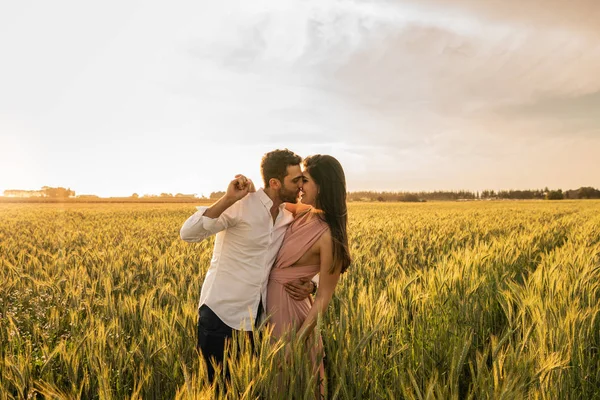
point(249, 182)
point(239, 188)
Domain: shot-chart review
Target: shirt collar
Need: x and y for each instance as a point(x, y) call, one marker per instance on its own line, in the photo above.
point(266, 200)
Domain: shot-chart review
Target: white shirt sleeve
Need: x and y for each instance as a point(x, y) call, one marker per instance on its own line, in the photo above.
point(315, 279)
point(198, 227)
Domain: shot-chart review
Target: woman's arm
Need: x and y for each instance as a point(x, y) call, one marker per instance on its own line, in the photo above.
point(296, 208)
point(327, 283)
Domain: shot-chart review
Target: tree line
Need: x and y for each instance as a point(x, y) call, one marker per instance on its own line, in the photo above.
point(422, 196)
point(441, 195)
point(45, 191)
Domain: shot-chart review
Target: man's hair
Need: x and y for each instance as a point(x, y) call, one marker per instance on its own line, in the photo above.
point(274, 164)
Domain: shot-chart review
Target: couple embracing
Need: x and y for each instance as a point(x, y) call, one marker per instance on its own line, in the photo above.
point(270, 245)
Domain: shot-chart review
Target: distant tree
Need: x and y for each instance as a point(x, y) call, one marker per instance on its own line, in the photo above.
point(216, 195)
point(488, 194)
point(409, 198)
point(166, 195)
point(135, 196)
point(588, 193)
point(57, 193)
point(555, 195)
point(380, 198)
point(519, 194)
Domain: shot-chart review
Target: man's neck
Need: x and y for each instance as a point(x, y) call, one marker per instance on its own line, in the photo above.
point(274, 196)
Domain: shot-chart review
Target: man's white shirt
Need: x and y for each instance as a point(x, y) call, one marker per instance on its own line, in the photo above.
point(245, 249)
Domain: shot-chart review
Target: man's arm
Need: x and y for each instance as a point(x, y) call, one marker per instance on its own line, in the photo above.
point(208, 221)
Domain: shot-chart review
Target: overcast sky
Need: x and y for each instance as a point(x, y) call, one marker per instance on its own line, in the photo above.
point(117, 97)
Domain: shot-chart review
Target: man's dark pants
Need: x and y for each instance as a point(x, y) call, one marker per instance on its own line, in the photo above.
point(213, 334)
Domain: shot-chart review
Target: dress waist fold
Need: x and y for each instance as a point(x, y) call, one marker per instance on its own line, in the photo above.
point(284, 275)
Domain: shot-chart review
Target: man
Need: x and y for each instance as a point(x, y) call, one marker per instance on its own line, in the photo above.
point(250, 226)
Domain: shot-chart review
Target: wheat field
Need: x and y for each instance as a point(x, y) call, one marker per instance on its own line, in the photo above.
point(475, 300)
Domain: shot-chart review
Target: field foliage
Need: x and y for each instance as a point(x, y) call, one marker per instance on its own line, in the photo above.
point(482, 300)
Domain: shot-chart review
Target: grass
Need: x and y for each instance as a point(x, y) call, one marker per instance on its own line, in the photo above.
point(443, 301)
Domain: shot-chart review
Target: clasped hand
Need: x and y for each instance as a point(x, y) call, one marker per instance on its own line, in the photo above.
point(240, 187)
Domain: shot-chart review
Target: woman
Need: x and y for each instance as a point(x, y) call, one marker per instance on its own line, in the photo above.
point(315, 243)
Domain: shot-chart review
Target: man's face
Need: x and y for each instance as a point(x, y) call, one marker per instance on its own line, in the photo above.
point(291, 185)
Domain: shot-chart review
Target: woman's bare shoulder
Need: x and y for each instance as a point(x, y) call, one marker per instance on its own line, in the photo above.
point(325, 238)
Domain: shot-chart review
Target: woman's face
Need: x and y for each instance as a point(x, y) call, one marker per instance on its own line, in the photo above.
point(310, 190)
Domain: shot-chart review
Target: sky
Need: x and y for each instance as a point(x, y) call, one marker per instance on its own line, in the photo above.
point(116, 97)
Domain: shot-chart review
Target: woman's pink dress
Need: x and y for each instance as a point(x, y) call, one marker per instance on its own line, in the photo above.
point(285, 312)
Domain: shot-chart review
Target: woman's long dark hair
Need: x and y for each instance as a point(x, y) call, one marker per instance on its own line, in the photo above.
point(328, 174)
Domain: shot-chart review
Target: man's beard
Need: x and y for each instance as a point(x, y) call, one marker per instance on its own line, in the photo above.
point(288, 196)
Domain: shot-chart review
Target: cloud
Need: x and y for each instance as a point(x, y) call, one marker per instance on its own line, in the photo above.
point(413, 66)
point(423, 92)
point(577, 16)
point(561, 115)
point(426, 90)
point(436, 66)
